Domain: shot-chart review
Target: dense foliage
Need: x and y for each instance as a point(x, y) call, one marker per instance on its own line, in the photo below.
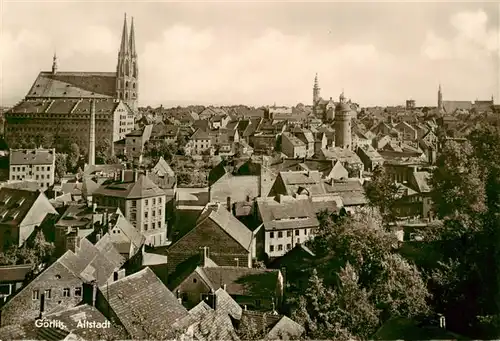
point(358, 281)
point(466, 195)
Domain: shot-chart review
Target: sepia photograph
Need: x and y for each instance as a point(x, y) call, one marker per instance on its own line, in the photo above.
point(249, 170)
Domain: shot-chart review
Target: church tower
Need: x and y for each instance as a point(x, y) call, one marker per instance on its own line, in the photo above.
point(54, 64)
point(343, 138)
point(440, 98)
point(316, 93)
point(127, 68)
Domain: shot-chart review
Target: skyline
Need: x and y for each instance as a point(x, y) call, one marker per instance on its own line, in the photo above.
point(263, 53)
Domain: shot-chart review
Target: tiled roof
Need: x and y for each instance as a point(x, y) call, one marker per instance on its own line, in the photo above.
point(451, 106)
point(215, 325)
point(295, 141)
point(135, 237)
point(342, 155)
point(351, 191)
point(227, 304)
point(73, 316)
point(422, 181)
point(74, 85)
point(144, 187)
point(286, 329)
point(287, 214)
point(162, 168)
point(300, 182)
point(12, 332)
point(232, 226)
point(141, 301)
point(241, 281)
point(31, 156)
point(14, 273)
point(16, 203)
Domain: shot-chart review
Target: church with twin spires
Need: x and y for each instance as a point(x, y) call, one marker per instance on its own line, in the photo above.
point(59, 102)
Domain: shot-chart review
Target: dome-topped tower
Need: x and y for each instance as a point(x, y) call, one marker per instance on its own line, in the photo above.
point(343, 137)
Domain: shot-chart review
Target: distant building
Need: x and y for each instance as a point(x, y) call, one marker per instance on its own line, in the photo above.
point(135, 142)
point(33, 164)
point(292, 146)
point(58, 102)
point(410, 104)
point(343, 137)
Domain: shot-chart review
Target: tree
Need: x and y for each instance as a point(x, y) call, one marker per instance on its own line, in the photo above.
point(35, 251)
point(358, 280)
point(73, 157)
point(381, 193)
point(60, 166)
point(248, 329)
point(466, 196)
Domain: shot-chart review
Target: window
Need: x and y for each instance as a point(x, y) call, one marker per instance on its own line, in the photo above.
point(43, 168)
point(154, 201)
point(35, 295)
point(280, 234)
point(78, 292)
point(48, 184)
point(145, 214)
point(280, 247)
point(134, 203)
point(297, 232)
point(48, 168)
point(159, 200)
point(154, 213)
point(194, 280)
point(271, 248)
point(298, 240)
point(66, 292)
point(288, 233)
point(42, 176)
point(305, 232)
point(145, 227)
point(37, 177)
point(159, 212)
point(48, 293)
point(288, 246)
point(133, 216)
point(146, 202)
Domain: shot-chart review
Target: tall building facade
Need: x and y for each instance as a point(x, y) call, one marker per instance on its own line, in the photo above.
point(59, 102)
point(343, 112)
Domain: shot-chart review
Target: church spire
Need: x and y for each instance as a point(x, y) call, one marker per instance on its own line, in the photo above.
point(54, 64)
point(124, 44)
point(132, 39)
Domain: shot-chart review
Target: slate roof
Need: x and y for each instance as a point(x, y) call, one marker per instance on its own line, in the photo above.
point(232, 226)
point(295, 141)
point(74, 85)
point(32, 156)
point(241, 281)
point(451, 106)
point(142, 301)
point(15, 204)
point(144, 187)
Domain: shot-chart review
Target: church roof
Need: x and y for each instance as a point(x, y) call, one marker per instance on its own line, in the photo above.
point(74, 85)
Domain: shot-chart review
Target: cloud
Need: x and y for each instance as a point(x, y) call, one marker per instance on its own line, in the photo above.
point(89, 40)
point(207, 66)
point(473, 38)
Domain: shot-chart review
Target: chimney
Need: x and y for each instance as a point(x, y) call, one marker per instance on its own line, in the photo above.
point(97, 237)
point(224, 287)
point(92, 134)
point(229, 208)
point(94, 207)
point(122, 175)
point(42, 305)
point(204, 255)
point(245, 307)
point(136, 175)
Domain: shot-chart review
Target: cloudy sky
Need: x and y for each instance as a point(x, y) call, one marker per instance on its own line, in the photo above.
point(259, 53)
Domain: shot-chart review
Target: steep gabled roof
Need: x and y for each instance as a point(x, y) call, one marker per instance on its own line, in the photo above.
point(141, 301)
point(227, 222)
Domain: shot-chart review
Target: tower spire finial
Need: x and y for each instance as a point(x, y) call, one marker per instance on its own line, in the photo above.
point(124, 44)
point(132, 39)
point(54, 63)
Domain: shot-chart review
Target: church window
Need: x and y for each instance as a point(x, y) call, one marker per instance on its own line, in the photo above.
point(126, 84)
point(133, 85)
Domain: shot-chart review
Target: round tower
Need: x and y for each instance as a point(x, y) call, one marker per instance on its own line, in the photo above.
point(343, 124)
